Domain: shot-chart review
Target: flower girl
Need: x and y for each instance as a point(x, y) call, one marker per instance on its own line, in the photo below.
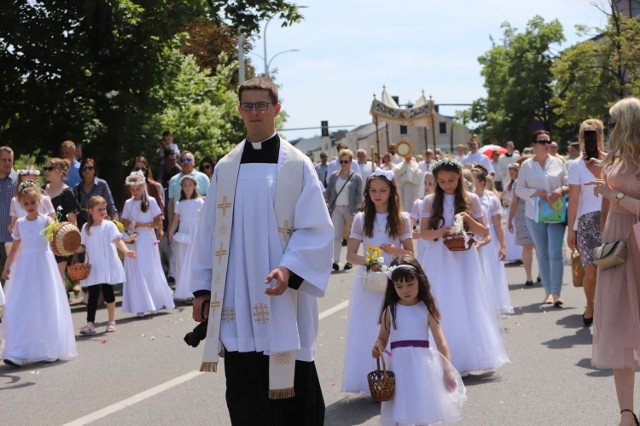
point(456, 277)
point(146, 288)
point(99, 240)
point(37, 318)
point(383, 227)
point(428, 388)
point(187, 215)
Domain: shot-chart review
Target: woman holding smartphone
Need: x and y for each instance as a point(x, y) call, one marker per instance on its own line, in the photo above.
point(583, 211)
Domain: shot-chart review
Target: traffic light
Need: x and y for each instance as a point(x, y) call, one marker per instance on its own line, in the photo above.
point(324, 125)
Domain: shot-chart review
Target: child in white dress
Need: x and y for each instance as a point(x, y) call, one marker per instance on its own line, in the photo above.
point(415, 213)
point(145, 288)
point(99, 240)
point(493, 253)
point(428, 388)
point(37, 318)
point(45, 207)
point(469, 321)
point(384, 226)
point(186, 214)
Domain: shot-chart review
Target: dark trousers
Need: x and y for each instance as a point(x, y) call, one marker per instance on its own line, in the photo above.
point(94, 293)
point(3, 256)
point(247, 376)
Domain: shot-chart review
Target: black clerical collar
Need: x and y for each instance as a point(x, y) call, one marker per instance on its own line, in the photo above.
point(268, 151)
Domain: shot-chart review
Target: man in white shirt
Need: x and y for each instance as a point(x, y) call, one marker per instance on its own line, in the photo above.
point(322, 168)
point(366, 168)
point(475, 156)
point(425, 166)
point(460, 152)
point(505, 160)
point(395, 157)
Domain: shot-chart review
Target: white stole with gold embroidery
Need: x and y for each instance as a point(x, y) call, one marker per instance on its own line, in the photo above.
point(288, 188)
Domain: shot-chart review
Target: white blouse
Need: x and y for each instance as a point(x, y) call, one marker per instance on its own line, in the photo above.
point(532, 178)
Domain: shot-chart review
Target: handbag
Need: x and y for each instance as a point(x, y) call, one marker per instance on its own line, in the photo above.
point(182, 238)
point(609, 255)
point(577, 270)
point(333, 204)
point(374, 282)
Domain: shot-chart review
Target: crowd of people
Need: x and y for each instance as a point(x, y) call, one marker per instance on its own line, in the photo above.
point(428, 235)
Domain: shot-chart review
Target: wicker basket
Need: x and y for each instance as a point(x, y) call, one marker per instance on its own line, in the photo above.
point(455, 241)
point(374, 282)
point(66, 239)
point(79, 271)
point(382, 383)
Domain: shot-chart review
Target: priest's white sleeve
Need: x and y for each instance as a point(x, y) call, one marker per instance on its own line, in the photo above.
point(310, 248)
point(202, 266)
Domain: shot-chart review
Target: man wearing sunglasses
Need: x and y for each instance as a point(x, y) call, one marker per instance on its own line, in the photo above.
point(187, 164)
point(262, 257)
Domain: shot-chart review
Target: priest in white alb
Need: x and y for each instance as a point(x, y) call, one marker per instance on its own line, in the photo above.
point(262, 257)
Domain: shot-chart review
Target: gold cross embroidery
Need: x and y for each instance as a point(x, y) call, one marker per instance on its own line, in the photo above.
point(224, 205)
point(284, 230)
point(215, 303)
point(261, 313)
point(221, 252)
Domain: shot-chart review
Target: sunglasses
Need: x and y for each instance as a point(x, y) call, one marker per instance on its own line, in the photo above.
point(140, 169)
point(345, 161)
point(206, 166)
point(259, 106)
point(611, 125)
point(543, 141)
point(48, 168)
point(186, 160)
point(85, 168)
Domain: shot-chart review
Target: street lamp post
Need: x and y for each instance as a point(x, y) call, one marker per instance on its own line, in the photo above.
point(265, 58)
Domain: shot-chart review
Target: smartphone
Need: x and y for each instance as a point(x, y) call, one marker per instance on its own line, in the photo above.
point(591, 143)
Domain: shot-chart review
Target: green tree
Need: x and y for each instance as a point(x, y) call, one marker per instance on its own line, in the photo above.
point(517, 77)
point(92, 71)
point(592, 75)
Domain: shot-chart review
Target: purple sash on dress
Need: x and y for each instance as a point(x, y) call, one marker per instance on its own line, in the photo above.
point(410, 344)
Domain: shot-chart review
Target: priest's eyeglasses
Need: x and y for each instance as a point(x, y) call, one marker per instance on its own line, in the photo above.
point(259, 106)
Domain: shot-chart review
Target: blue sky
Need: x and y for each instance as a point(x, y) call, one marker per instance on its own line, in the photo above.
point(349, 49)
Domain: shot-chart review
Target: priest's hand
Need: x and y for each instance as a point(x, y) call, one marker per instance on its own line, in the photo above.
point(200, 313)
point(281, 275)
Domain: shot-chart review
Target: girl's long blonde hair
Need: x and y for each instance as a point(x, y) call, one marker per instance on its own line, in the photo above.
point(625, 137)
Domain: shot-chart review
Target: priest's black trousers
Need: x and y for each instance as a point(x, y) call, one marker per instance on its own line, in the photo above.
point(247, 376)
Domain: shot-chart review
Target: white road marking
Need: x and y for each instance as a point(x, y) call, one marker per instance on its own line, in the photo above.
point(333, 310)
point(121, 405)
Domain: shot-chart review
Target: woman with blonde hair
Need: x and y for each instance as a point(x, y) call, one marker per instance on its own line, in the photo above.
point(616, 332)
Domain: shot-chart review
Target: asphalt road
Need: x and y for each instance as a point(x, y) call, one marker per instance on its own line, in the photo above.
point(144, 374)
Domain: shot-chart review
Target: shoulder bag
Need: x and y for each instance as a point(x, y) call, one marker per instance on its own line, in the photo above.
point(333, 203)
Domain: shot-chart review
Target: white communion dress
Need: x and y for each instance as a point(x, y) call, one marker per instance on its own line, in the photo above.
point(37, 318)
point(469, 322)
point(365, 307)
point(146, 288)
point(421, 396)
point(189, 211)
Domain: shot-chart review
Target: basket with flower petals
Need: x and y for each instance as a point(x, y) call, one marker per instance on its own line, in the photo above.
point(374, 278)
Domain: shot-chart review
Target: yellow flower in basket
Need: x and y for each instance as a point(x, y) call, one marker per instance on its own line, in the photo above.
point(119, 225)
point(373, 258)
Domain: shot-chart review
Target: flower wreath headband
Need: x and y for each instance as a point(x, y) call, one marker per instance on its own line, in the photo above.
point(387, 174)
point(393, 268)
point(26, 184)
point(27, 172)
point(190, 177)
point(132, 179)
point(445, 162)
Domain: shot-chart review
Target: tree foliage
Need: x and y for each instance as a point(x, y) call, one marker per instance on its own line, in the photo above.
point(518, 81)
point(100, 72)
point(592, 75)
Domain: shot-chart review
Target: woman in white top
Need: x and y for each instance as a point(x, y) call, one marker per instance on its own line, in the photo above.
point(583, 216)
point(544, 177)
